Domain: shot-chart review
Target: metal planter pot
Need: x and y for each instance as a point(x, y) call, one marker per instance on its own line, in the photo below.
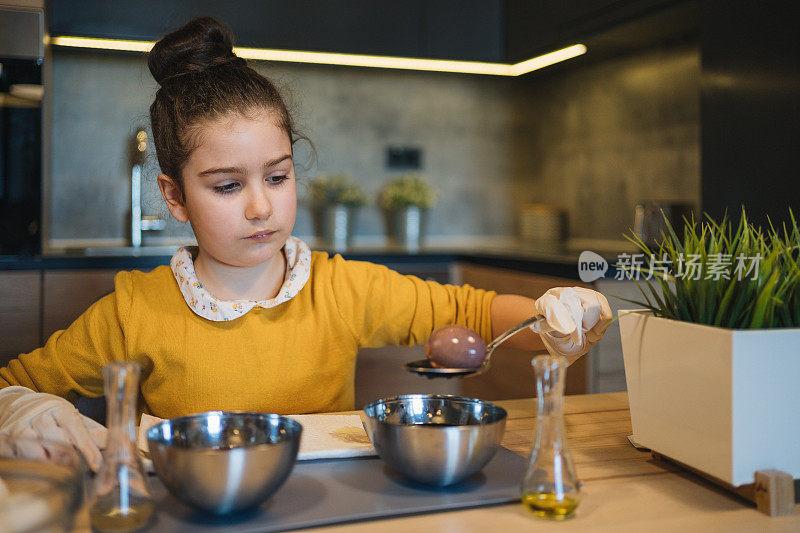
point(337, 226)
point(408, 227)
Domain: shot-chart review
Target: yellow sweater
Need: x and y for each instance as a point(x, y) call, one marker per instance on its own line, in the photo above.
point(297, 357)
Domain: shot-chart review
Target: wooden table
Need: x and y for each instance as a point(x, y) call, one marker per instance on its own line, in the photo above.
point(624, 489)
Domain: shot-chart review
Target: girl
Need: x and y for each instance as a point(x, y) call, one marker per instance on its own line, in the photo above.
point(250, 319)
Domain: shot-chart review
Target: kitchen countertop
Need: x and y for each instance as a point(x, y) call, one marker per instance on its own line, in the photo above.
point(624, 489)
point(502, 253)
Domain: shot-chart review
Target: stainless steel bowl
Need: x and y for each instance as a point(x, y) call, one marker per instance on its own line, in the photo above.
point(223, 462)
point(433, 439)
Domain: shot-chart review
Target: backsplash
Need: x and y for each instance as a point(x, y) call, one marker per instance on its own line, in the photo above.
point(593, 140)
point(598, 140)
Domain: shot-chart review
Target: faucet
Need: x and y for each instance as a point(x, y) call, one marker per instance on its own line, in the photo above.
point(140, 223)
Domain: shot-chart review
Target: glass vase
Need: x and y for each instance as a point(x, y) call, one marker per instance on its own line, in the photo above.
point(550, 487)
point(121, 497)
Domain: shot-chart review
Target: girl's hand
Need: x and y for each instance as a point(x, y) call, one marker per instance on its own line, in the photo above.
point(576, 318)
point(27, 414)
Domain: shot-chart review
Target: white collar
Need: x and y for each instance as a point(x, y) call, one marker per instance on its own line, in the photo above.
point(205, 304)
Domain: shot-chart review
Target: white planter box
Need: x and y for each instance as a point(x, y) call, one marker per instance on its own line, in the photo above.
point(726, 402)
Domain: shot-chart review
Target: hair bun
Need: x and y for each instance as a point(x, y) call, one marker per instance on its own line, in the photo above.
point(200, 44)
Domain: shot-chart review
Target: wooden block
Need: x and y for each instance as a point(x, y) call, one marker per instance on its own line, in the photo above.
point(774, 491)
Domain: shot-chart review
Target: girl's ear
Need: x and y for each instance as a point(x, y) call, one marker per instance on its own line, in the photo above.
point(173, 197)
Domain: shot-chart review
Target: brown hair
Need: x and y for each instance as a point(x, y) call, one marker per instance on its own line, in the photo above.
point(202, 79)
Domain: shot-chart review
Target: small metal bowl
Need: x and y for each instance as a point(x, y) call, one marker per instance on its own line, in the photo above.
point(221, 462)
point(434, 439)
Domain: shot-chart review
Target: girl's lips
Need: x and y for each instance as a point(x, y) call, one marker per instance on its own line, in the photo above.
point(261, 235)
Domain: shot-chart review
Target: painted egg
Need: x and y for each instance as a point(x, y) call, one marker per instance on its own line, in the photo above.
point(455, 347)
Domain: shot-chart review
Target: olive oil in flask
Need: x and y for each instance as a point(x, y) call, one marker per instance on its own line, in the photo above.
point(550, 488)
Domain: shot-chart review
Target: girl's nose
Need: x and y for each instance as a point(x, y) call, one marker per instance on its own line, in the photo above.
point(258, 205)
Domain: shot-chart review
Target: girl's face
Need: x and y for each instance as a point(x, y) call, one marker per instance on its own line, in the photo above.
point(239, 189)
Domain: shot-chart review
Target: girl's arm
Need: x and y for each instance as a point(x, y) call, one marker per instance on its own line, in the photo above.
point(383, 307)
point(507, 311)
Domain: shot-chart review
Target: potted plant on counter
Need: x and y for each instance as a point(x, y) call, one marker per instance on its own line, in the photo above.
point(405, 201)
point(335, 201)
point(713, 363)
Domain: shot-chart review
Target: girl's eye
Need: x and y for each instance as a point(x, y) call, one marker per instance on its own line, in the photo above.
point(277, 180)
point(234, 186)
point(227, 188)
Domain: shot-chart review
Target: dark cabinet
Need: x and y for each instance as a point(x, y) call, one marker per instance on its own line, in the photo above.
point(473, 30)
point(464, 29)
point(446, 29)
point(750, 109)
point(20, 312)
point(511, 374)
point(533, 28)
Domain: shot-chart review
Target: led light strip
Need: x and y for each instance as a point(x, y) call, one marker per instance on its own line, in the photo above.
point(351, 60)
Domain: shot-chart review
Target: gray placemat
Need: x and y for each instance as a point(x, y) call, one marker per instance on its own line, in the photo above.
point(345, 490)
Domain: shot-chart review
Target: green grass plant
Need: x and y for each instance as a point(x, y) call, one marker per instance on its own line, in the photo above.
point(681, 279)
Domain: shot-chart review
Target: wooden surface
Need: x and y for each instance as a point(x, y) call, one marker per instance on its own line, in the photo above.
point(380, 374)
point(511, 375)
point(20, 316)
point(624, 489)
point(68, 293)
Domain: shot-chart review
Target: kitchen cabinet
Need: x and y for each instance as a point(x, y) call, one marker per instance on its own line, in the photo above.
point(380, 374)
point(511, 374)
point(36, 303)
point(20, 312)
point(750, 89)
point(414, 28)
point(464, 29)
point(608, 371)
point(536, 27)
point(68, 293)
point(503, 31)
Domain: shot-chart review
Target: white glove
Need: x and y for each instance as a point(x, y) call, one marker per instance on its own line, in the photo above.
point(26, 414)
point(576, 318)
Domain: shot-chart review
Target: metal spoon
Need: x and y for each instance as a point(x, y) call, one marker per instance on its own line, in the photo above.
point(423, 366)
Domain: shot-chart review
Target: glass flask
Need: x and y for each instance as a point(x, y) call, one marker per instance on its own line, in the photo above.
point(121, 498)
point(550, 487)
